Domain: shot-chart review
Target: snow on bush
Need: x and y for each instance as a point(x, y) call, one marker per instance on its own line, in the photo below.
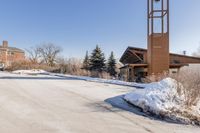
point(164, 98)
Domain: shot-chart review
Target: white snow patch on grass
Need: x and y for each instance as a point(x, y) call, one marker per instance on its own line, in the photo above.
point(38, 72)
point(100, 80)
point(30, 72)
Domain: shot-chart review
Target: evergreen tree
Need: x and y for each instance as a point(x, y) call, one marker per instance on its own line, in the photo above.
point(86, 62)
point(97, 60)
point(111, 65)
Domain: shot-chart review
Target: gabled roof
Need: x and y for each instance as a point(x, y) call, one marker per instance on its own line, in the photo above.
point(129, 57)
point(128, 53)
point(13, 49)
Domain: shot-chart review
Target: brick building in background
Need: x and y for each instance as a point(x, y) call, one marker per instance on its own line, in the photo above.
point(8, 55)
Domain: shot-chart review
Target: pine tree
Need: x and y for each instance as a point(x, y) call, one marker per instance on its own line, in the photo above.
point(97, 60)
point(86, 62)
point(111, 65)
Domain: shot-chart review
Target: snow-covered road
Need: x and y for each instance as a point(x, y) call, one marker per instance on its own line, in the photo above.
point(50, 104)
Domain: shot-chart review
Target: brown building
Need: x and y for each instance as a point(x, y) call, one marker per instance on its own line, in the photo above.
point(10, 54)
point(156, 58)
point(136, 63)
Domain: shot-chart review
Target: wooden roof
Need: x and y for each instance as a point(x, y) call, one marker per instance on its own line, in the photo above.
point(133, 55)
point(129, 57)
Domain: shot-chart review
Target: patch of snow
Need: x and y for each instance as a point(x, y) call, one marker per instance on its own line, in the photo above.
point(39, 72)
point(162, 98)
point(157, 97)
point(30, 72)
point(100, 80)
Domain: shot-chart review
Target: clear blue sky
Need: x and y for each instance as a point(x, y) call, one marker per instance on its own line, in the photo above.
point(78, 25)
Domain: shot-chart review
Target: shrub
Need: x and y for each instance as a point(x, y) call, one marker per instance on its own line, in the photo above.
point(97, 74)
point(190, 81)
point(27, 65)
point(71, 66)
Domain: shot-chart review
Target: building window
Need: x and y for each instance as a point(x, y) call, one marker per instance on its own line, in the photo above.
point(176, 61)
point(11, 53)
point(174, 72)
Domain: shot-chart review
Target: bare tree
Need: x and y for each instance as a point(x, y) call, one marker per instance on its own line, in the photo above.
point(34, 54)
point(197, 53)
point(49, 53)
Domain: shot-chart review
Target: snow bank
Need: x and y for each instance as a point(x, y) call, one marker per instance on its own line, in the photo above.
point(156, 97)
point(162, 98)
point(100, 80)
point(30, 72)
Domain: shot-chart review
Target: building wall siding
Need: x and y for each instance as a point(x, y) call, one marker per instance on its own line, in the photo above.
point(8, 55)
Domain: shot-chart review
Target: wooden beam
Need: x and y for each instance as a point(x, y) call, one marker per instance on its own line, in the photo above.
point(136, 56)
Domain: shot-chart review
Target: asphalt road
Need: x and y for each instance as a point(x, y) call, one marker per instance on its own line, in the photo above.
point(47, 104)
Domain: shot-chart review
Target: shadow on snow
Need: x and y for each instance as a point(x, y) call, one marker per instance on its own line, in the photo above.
point(121, 104)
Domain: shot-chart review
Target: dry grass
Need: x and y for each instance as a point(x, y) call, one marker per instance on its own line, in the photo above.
point(156, 78)
point(97, 74)
point(74, 66)
point(27, 65)
point(190, 85)
point(188, 82)
point(70, 66)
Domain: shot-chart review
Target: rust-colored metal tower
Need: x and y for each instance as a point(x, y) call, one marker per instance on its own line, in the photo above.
point(158, 36)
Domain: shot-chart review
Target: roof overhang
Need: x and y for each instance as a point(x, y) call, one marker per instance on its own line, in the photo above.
point(130, 56)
